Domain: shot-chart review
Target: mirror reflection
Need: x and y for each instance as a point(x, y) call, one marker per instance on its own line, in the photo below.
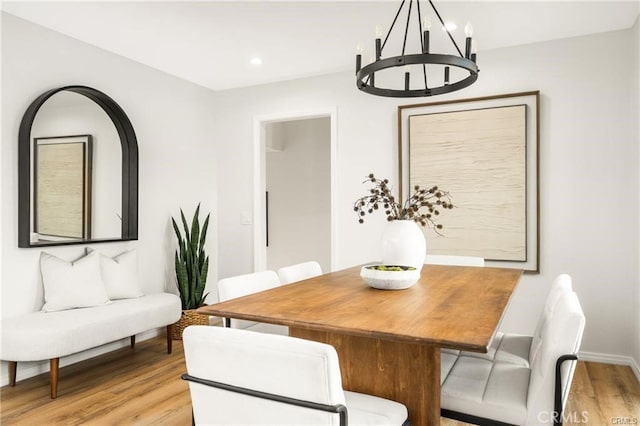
point(76, 185)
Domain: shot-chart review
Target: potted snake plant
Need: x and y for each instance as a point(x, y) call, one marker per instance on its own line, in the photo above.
point(191, 267)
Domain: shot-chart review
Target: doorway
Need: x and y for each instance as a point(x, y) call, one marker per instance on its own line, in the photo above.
point(293, 190)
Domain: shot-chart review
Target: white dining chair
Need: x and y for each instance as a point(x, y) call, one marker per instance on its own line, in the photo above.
point(482, 391)
point(299, 272)
point(441, 259)
point(243, 285)
point(239, 377)
point(520, 348)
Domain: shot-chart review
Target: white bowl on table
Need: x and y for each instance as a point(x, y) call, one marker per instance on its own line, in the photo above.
point(390, 277)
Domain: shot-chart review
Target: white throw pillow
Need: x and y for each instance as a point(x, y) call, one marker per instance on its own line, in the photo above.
point(69, 285)
point(120, 274)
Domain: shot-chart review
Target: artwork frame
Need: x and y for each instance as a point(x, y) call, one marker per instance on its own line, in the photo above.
point(460, 136)
point(62, 183)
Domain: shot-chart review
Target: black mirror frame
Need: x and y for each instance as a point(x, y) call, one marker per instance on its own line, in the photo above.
point(129, 167)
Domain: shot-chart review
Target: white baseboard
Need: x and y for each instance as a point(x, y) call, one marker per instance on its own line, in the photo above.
point(30, 369)
point(611, 359)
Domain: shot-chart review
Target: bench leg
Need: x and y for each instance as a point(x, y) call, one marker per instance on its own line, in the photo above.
point(54, 363)
point(169, 340)
point(13, 367)
point(133, 341)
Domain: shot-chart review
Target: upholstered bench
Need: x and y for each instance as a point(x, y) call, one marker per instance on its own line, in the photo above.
point(89, 302)
point(50, 335)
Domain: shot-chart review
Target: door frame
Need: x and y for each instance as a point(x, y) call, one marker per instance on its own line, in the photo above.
point(260, 177)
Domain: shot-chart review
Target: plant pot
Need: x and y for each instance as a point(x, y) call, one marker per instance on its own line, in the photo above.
point(189, 317)
point(403, 243)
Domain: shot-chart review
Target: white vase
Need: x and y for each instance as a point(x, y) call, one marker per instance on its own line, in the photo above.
point(403, 243)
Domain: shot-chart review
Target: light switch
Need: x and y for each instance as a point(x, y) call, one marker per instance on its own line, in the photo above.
point(245, 217)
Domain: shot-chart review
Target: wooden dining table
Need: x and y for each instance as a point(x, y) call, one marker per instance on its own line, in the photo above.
point(388, 341)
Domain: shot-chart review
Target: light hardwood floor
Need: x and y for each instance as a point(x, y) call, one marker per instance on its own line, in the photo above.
point(142, 386)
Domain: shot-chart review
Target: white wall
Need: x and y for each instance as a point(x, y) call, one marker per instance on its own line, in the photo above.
point(175, 128)
point(299, 186)
point(588, 171)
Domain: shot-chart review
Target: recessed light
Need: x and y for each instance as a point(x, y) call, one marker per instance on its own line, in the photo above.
point(255, 61)
point(449, 26)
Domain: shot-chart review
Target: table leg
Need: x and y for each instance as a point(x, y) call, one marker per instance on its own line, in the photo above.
point(405, 372)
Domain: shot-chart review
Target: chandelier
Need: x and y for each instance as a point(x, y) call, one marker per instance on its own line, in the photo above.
point(365, 76)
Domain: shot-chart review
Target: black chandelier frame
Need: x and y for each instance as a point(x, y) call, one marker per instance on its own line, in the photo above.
point(365, 76)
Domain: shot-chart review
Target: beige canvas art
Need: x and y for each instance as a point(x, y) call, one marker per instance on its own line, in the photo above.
point(60, 180)
point(479, 156)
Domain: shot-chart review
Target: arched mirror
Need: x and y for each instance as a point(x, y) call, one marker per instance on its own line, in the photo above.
point(78, 170)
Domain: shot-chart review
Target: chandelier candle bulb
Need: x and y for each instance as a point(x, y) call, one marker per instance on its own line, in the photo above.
point(468, 30)
point(427, 23)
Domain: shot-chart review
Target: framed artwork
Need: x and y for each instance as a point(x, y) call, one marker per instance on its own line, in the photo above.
point(62, 187)
point(484, 152)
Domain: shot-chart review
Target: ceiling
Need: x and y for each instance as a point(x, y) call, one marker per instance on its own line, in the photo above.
point(211, 42)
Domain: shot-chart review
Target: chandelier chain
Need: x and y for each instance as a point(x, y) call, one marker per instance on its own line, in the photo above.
point(392, 24)
point(406, 28)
